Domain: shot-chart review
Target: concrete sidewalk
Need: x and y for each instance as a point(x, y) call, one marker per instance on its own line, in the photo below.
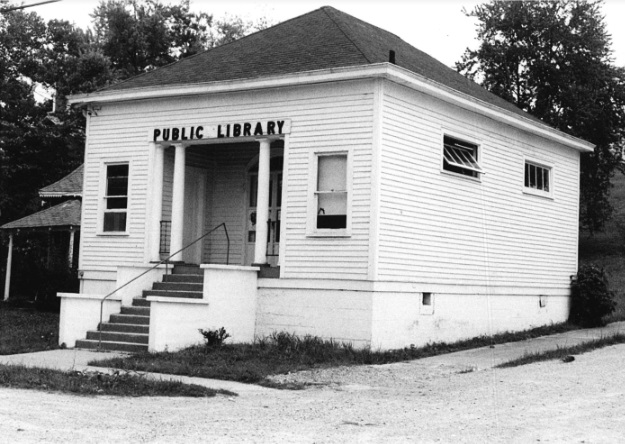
point(488, 357)
point(477, 359)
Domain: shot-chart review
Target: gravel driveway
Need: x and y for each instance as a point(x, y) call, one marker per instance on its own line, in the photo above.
point(576, 402)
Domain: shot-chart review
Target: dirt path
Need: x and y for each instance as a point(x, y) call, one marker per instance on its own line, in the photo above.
point(582, 401)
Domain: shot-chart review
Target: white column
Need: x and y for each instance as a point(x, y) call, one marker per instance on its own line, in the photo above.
point(156, 200)
point(177, 204)
point(262, 203)
point(70, 249)
point(7, 280)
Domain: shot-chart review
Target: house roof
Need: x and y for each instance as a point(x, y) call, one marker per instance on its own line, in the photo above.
point(68, 186)
point(322, 39)
point(65, 214)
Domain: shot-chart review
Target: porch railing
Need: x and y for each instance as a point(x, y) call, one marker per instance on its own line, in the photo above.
point(165, 261)
point(165, 237)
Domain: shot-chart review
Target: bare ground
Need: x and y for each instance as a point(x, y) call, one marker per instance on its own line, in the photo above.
point(581, 401)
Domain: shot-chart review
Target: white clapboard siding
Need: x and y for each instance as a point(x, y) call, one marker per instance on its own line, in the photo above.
point(337, 116)
point(439, 228)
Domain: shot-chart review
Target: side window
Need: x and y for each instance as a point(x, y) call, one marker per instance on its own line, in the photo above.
point(461, 157)
point(538, 179)
point(331, 192)
point(116, 198)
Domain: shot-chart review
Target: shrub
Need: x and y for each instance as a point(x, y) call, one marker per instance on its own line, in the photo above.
point(214, 338)
point(591, 298)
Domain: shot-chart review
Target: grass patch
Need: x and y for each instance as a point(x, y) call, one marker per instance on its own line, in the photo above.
point(283, 353)
point(563, 352)
point(96, 383)
point(24, 330)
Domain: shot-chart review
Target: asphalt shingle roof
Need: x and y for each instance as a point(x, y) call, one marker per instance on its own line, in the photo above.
point(64, 214)
point(322, 39)
point(70, 185)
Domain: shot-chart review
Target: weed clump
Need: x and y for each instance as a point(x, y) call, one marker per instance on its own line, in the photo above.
point(214, 338)
point(591, 298)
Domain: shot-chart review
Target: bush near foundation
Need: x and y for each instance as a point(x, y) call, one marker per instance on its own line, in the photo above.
point(591, 298)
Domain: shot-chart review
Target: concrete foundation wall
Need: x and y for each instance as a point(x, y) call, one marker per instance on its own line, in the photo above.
point(230, 292)
point(81, 313)
point(330, 314)
point(174, 323)
point(388, 320)
point(400, 319)
point(229, 301)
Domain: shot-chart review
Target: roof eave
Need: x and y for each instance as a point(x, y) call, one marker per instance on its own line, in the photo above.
point(377, 70)
point(48, 194)
point(435, 89)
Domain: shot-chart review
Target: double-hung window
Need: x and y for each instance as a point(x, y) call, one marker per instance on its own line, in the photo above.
point(538, 179)
point(116, 198)
point(461, 157)
point(331, 195)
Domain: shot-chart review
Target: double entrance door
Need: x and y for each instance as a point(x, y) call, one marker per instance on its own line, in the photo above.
point(273, 223)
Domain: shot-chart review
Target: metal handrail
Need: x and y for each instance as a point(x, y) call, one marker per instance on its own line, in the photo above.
point(165, 261)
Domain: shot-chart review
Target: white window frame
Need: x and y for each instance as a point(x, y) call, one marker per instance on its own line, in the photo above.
point(103, 198)
point(313, 195)
point(476, 145)
point(535, 191)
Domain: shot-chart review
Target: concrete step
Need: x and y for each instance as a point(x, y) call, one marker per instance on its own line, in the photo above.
point(129, 319)
point(177, 286)
point(140, 302)
point(188, 278)
point(125, 328)
point(173, 294)
point(107, 345)
point(139, 311)
point(188, 269)
point(114, 336)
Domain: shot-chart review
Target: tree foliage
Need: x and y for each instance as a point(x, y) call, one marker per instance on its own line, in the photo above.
point(140, 35)
point(553, 60)
point(38, 147)
point(33, 148)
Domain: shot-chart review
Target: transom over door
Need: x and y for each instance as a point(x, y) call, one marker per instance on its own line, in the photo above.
point(273, 223)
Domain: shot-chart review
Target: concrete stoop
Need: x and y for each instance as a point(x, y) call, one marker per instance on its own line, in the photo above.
point(128, 331)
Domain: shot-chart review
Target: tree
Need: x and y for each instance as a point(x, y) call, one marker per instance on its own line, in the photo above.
point(36, 147)
point(553, 60)
point(140, 35)
point(131, 37)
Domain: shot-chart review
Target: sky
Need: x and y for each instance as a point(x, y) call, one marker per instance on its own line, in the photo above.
point(437, 27)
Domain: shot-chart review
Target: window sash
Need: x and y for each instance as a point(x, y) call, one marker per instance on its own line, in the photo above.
point(116, 198)
point(331, 194)
point(537, 177)
point(461, 157)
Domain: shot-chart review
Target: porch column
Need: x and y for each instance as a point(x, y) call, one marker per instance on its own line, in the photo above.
point(157, 203)
point(262, 203)
point(7, 280)
point(177, 204)
point(70, 250)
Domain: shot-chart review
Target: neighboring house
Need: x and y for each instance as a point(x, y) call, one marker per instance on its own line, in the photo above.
point(61, 222)
point(403, 203)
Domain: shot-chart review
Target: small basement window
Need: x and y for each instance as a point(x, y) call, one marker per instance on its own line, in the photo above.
point(461, 157)
point(537, 178)
point(116, 198)
point(427, 303)
point(331, 192)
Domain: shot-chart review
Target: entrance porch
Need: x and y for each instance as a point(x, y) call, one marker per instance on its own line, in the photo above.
point(195, 188)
